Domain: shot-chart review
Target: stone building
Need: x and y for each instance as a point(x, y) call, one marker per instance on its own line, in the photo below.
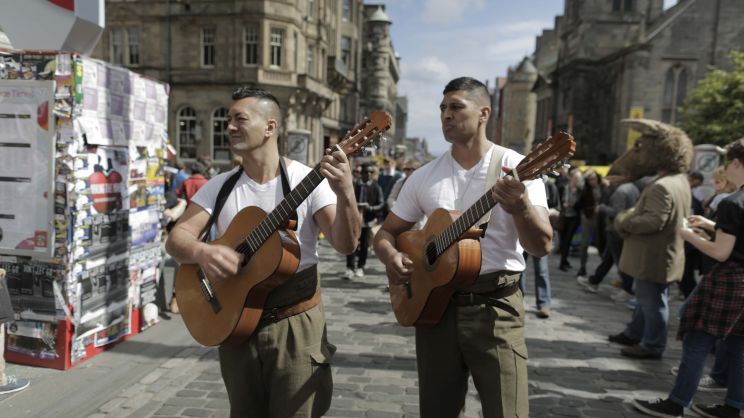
point(606, 60)
point(518, 120)
point(307, 53)
point(380, 72)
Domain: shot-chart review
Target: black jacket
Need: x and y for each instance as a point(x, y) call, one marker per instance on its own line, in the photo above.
point(369, 193)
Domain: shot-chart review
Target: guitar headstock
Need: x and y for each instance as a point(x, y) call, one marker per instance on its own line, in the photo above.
point(549, 155)
point(367, 130)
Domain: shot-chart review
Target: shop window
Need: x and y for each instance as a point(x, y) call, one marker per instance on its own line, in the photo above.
point(186, 132)
point(220, 139)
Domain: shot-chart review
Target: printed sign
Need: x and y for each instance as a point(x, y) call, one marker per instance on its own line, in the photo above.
point(27, 168)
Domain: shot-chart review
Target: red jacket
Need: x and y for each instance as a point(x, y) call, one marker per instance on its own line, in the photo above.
point(188, 188)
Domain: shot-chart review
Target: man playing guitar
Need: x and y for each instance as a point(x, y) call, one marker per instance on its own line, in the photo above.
point(482, 330)
point(282, 369)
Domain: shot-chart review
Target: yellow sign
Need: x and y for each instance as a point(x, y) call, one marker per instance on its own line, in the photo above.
point(636, 112)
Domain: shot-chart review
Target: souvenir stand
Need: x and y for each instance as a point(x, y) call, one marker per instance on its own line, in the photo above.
point(82, 144)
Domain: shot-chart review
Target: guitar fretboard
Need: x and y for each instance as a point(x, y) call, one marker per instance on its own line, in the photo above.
point(280, 215)
point(453, 232)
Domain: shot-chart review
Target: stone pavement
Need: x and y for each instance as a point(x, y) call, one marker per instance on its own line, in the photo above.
point(573, 370)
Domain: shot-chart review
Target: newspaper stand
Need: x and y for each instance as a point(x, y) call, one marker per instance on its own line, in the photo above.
point(82, 144)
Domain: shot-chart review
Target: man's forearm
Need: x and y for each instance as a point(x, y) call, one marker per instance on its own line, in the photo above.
point(346, 226)
point(535, 233)
point(384, 245)
point(183, 247)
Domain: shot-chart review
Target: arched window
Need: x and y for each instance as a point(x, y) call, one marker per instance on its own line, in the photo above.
point(186, 134)
point(675, 92)
point(220, 140)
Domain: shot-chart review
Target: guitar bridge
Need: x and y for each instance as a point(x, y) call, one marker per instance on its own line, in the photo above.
point(208, 292)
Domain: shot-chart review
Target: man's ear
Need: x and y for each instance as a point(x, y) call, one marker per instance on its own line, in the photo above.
point(271, 127)
point(485, 113)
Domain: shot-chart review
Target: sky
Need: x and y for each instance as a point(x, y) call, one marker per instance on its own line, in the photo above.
point(439, 40)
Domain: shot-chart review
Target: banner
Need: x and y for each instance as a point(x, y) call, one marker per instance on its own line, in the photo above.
point(27, 168)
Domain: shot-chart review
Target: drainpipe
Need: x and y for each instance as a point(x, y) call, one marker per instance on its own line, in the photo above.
point(716, 20)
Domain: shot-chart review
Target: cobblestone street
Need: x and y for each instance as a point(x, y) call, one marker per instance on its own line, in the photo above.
point(573, 370)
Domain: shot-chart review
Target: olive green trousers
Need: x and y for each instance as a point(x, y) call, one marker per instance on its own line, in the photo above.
point(482, 340)
point(283, 370)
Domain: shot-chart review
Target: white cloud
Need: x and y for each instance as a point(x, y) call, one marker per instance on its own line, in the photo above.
point(442, 11)
point(514, 48)
point(426, 69)
point(483, 52)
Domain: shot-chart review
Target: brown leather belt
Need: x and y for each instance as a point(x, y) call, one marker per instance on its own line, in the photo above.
point(281, 312)
point(490, 298)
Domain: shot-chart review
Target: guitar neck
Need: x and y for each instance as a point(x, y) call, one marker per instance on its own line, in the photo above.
point(281, 214)
point(454, 231)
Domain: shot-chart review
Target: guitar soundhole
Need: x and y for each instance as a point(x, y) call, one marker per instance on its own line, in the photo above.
point(431, 253)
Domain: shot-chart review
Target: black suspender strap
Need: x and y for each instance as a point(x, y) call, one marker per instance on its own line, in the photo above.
point(227, 187)
point(285, 185)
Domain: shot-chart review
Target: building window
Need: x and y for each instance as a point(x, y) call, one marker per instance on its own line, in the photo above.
point(207, 47)
point(117, 46)
point(323, 62)
point(346, 51)
point(310, 4)
point(622, 5)
point(346, 10)
point(220, 140)
point(296, 52)
point(186, 120)
point(125, 46)
point(310, 61)
point(276, 47)
point(133, 43)
point(675, 92)
point(250, 41)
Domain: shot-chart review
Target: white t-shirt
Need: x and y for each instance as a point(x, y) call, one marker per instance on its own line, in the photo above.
point(267, 197)
point(443, 182)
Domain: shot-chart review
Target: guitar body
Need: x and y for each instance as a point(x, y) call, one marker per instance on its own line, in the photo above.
point(423, 301)
point(241, 297)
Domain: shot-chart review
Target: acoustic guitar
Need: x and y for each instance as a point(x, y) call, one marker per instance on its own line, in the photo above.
point(446, 253)
point(228, 311)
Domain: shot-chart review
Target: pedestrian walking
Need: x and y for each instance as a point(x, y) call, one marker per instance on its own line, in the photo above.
point(653, 252)
point(8, 383)
point(714, 311)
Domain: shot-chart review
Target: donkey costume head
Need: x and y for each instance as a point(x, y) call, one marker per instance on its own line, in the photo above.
point(661, 147)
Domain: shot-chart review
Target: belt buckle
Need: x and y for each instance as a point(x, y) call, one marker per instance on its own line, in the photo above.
point(272, 314)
